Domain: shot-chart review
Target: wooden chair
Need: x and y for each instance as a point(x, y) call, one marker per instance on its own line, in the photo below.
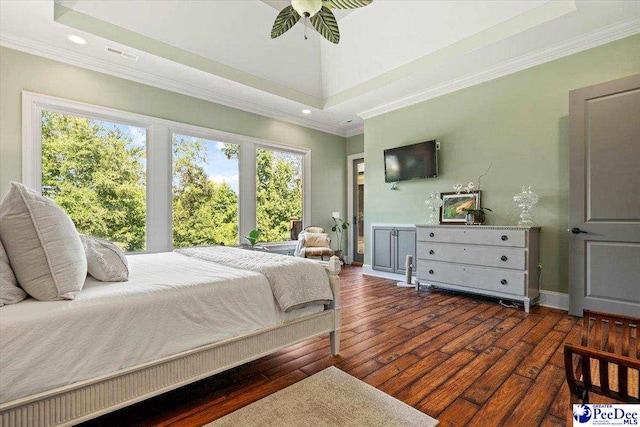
point(607, 360)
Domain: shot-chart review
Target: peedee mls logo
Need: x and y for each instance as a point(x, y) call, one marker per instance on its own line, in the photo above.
point(606, 415)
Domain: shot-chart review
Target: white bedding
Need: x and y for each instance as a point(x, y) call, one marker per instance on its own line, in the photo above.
point(295, 282)
point(170, 304)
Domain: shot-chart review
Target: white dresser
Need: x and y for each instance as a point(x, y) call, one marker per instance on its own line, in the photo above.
point(484, 259)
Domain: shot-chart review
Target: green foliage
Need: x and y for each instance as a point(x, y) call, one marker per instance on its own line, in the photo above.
point(204, 212)
point(339, 227)
point(253, 237)
point(279, 193)
point(95, 173)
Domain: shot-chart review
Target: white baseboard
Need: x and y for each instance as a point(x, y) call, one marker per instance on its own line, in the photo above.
point(368, 271)
point(554, 300)
point(547, 298)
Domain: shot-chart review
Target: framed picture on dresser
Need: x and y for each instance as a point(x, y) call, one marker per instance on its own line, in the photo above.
point(454, 205)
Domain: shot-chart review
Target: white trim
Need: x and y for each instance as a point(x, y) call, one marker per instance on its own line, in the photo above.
point(159, 231)
point(247, 184)
point(386, 224)
point(73, 58)
point(358, 129)
point(577, 44)
point(554, 300)
point(306, 191)
point(159, 191)
point(569, 47)
point(350, 213)
point(31, 158)
point(547, 298)
point(369, 271)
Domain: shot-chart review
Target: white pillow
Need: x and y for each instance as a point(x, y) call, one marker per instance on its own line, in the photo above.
point(316, 240)
point(43, 246)
point(105, 261)
point(10, 292)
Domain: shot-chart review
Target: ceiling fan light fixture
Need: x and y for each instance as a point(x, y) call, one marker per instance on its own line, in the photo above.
point(307, 8)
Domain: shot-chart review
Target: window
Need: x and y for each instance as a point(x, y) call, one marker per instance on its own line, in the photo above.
point(278, 192)
point(150, 184)
point(205, 191)
point(96, 171)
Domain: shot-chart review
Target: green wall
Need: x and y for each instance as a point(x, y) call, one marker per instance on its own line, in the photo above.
point(21, 71)
point(518, 122)
point(355, 144)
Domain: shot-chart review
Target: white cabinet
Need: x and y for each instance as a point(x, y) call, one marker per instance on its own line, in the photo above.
point(488, 260)
point(391, 245)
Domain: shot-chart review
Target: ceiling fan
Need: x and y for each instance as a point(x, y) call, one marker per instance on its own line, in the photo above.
point(319, 11)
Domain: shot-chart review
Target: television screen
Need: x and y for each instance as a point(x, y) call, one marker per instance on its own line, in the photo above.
point(411, 161)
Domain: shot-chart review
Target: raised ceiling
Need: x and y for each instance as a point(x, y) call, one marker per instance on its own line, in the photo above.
point(391, 54)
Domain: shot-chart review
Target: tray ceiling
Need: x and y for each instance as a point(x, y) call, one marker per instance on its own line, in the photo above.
point(390, 52)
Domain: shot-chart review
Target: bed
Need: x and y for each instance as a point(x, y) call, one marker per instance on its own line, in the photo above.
point(177, 320)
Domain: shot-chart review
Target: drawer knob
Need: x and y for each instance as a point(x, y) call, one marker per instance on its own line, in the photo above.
point(504, 258)
point(503, 281)
point(504, 237)
point(430, 271)
point(431, 252)
point(432, 235)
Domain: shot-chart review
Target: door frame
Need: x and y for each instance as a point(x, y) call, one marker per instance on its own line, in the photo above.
point(350, 206)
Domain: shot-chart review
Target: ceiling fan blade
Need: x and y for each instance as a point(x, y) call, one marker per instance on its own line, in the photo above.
point(286, 19)
point(346, 4)
point(325, 23)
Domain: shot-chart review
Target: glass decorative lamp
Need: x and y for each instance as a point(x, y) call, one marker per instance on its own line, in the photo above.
point(525, 201)
point(433, 204)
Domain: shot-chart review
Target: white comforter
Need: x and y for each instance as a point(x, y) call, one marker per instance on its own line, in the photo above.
point(295, 282)
point(170, 304)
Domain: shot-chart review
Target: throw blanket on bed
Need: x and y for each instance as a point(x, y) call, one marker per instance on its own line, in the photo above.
point(295, 282)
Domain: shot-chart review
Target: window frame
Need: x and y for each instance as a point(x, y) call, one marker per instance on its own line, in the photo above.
point(159, 215)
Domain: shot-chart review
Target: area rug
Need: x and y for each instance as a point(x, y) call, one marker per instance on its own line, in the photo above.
point(328, 398)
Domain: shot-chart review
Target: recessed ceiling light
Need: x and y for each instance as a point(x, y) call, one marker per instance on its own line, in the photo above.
point(76, 39)
point(306, 111)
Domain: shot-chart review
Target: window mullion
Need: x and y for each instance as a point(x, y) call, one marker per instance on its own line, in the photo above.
point(247, 181)
point(159, 207)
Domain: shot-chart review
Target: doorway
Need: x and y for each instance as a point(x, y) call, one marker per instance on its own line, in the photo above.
point(604, 208)
point(356, 235)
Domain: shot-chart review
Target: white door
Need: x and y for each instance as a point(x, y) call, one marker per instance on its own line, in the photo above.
point(604, 198)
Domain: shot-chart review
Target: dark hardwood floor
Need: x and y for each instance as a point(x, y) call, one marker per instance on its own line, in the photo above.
point(461, 359)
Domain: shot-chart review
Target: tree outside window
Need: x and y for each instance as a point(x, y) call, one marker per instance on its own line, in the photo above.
point(96, 171)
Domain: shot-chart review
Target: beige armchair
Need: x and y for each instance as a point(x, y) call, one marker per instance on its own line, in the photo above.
point(314, 242)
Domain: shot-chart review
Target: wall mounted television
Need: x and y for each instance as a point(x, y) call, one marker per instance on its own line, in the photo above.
point(411, 162)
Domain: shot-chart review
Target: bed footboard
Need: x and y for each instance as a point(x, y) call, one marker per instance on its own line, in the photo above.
point(334, 336)
point(82, 401)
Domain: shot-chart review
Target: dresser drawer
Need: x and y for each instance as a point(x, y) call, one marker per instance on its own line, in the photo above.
point(440, 272)
point(489, 256)
point(477, 236)
point(491, 279)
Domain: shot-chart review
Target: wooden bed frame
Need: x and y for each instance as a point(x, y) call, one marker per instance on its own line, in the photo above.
point(82, 401)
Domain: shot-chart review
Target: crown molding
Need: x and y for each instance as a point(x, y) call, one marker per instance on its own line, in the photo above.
point(355, 130)
point(85, 61)
point(577, 44)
